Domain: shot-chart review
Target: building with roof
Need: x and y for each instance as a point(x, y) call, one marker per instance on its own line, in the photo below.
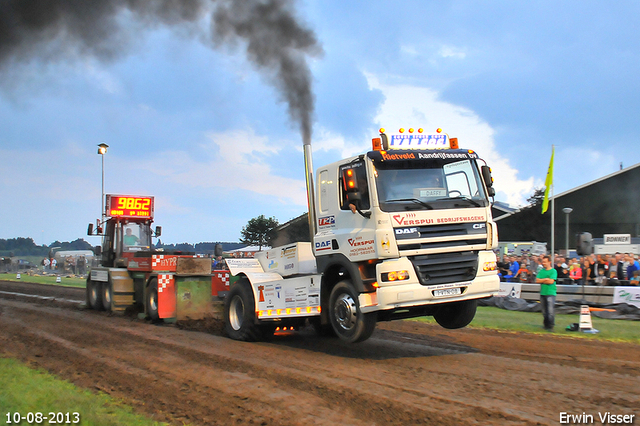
point(609, 205)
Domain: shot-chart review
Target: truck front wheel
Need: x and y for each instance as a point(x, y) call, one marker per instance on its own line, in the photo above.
point(240, 314)
point(347, 320)
point(94, 295)
point(456, 314)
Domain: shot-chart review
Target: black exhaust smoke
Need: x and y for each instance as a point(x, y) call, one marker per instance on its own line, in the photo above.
point(56, 30)
point(277, 44)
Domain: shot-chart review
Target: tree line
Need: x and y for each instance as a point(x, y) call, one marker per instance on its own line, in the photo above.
point(27, 247)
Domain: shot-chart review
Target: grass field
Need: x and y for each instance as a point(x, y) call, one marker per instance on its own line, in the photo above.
point(25, 390)
point(45, 279)
point(531, 322)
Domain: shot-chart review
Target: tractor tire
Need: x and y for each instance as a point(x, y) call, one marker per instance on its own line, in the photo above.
point(107, 296)
point(456, 314)
point(348, 322)
point(240, 314)
point(94, 295)
point(151, 303)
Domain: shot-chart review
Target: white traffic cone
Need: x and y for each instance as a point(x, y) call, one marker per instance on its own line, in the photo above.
point(585, 320)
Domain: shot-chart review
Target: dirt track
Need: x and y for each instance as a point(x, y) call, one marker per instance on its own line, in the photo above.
point(407, 373)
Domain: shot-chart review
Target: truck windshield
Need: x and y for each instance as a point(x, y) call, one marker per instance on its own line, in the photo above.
point(412, 183)
point(136, 236)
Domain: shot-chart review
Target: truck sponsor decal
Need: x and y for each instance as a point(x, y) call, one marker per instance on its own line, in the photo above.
point(400, 231)
point(288, 252)
point(328, 221)
point(408, 156)
point(460, 219)
point(407, 219)
point(360, 246)
point(323, 245)
point(447, 155)
point(404, 219)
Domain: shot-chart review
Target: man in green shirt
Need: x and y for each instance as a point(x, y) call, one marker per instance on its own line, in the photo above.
point(547, 279)
point(129, 238)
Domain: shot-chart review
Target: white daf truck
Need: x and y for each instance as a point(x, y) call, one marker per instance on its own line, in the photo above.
point(402, 231)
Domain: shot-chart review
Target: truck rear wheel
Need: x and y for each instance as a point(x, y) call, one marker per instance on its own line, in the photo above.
point(347, 320)
point(152, 300)
point(456, 314)
point(94, 295)
point(240, 314)
point(107, 295)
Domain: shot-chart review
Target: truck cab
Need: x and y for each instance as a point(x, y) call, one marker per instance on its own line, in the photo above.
point(401, 231)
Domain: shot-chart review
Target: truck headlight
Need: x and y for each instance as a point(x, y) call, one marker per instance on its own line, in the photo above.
point(395, 276)
point(489, 266)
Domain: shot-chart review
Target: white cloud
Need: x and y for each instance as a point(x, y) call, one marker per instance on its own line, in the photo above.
point(411, 106)
point(325, 140)
point(234, 160)
point(452, 52)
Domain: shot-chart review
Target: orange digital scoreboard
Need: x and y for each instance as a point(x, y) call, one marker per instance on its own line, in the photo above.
point(129, 206)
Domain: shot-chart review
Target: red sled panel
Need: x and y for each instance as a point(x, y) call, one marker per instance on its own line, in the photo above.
point(219, 282)
point(166, 296)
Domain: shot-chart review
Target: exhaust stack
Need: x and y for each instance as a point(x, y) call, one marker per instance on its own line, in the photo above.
point(311, 199)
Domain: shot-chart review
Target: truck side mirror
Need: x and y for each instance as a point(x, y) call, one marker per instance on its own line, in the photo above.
point(349, 181)
point(385, 142)
point(97, 250)
point(217, 250)
point(584, 244)
point(158, 231)
point(90, 229)
point(488, 180)
point(486, 176)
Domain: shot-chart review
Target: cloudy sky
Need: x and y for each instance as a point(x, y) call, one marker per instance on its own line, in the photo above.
point(194, 120)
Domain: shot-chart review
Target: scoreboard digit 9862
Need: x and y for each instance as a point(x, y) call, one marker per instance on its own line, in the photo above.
point(129, 206)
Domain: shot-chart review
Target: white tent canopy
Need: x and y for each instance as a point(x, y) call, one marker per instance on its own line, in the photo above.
point(248, 249)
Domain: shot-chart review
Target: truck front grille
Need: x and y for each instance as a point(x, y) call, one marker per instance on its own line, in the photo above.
point(445, 268)
point(462, 236)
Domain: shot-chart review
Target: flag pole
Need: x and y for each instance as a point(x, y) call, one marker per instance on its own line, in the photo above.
point(548, 183)
point(553, 229)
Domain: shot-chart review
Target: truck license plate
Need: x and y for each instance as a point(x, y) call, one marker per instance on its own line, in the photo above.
point(447, 292)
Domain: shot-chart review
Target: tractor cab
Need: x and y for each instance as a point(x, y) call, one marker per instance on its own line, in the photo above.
point(127, 231)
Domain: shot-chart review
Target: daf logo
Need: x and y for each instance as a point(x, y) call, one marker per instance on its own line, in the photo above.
point(479, 225)
point(401, 231)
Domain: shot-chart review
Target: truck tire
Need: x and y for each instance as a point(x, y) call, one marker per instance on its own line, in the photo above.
point(94, 295)
point(107, 296)
point(456, 314)
point(348, 322)
point(151, 302)
point(240, 314)
point(322, 330)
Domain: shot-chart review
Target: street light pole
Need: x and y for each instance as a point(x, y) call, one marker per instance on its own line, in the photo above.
point(102, 150)
point(567, 211)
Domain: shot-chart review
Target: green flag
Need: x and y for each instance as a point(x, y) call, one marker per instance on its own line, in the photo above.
point(548, 182)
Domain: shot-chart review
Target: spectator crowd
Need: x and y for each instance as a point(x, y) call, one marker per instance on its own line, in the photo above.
point(620, 269)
